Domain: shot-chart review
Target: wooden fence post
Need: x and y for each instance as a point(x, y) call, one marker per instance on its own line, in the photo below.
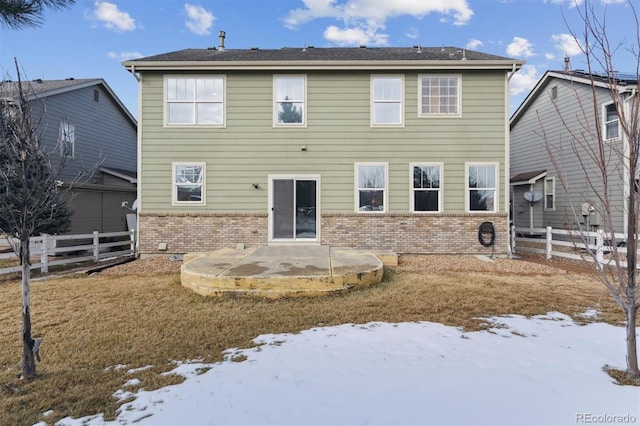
point(96, 246)
point(44, 254)
point(549, 245)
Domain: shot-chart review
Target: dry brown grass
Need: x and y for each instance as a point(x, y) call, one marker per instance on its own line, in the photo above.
point(89, 324)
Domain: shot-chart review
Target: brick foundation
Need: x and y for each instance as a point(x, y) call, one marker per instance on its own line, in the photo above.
point(450, 233)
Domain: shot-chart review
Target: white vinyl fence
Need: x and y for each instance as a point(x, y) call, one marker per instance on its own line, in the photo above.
point(575, 245)
point(91, 247)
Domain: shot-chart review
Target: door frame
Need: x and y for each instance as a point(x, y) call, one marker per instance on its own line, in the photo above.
point(294, 240)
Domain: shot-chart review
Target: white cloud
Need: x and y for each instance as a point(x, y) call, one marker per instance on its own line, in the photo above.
point(549, 56)
point(412, 33)
point(523, 80)
point(112, 18)
point(567, 44)
point(570, 3)
point(124, 56)
point(473, 44)
point(520, 47)
point(354, 36)
point(199, 19)
point(370, 16)
point(576, 3)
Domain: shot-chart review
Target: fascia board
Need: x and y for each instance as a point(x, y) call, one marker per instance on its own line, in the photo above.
point(320, 65)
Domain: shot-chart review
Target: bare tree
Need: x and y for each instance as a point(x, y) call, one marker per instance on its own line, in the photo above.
point(31, 199)
point(606, 161)
point(18, 14)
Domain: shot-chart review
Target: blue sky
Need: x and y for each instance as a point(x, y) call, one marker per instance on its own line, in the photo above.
point(92, 38)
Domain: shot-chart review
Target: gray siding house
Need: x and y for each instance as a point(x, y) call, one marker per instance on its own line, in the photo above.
point(554, 143)
point(396, 149)
point(83, 121)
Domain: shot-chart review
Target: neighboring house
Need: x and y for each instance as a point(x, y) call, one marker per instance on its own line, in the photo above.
point(83, 122)
point(396, 149)
point(554, 134)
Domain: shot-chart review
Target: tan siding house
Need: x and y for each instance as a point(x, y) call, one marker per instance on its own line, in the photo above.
point(397, 149)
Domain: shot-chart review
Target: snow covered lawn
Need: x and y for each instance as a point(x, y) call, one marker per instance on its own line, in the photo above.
point(546, 370)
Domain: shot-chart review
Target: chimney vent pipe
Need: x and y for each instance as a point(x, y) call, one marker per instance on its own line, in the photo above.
point(221, 34)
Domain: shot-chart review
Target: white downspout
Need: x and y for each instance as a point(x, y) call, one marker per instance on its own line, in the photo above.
point(531, 209)
point(507, 152)
point(139, 159)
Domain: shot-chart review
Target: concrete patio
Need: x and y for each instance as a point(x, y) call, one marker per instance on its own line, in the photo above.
point(281, 270)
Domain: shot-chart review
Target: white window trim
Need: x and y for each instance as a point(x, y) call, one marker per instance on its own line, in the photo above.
point(552, 193)
point(275, 102)
point(604, 124)
point(496, 204)
point(385, 194)
point(174, 187)
point(459, 113)
point(372, 101)
point(412, 189)
point(165, 101)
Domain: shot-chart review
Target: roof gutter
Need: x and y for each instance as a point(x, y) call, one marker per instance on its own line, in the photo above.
point(513, 71)
point(317, 65)
point(132, 69)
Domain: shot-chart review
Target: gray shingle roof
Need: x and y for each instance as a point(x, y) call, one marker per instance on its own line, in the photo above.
point(621, 78)
point(526, 176)
point(390, 54)
point(40, 87)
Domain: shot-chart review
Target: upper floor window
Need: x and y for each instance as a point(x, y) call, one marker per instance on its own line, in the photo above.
point(371, 187)
point(439, 95)
point(482, 187)
point(67, 139)
point(195, 101)
point(387, 100)
point(188, 183)
point(289, 94)
point(426, 189)
point(611, 122)
point(549, 193)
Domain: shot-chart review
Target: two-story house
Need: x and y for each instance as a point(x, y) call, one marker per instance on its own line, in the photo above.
point(397, 149)
point(563, 133)
point(84, 127)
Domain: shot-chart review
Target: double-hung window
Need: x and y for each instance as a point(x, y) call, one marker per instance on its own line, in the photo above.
point(426, 188)
point(550, 193)
point(371, 187)
point(289, 97)
point(188, 183)
point(387, 100)
point(439, 95)
point(482, 187)
point(194, 101)
point(611, 122)
point(67, 139)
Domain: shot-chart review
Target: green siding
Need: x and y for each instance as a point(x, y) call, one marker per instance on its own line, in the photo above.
point(337, 135)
